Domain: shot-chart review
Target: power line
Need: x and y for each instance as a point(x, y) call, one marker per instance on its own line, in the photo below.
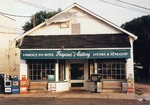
point(7, 27)
point(9, 32)
point(15, 15)
point(123, 6)
point(33, 5)
point(133, 5)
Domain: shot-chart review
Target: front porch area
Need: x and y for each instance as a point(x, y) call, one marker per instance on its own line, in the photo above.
point(103, 86)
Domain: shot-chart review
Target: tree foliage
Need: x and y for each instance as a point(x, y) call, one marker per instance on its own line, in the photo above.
point(141, 28)
point(38, 18)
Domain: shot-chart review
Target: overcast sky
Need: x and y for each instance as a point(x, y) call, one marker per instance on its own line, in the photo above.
point(111, 12)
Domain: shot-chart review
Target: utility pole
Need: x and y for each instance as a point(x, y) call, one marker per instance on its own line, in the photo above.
point(33, 21)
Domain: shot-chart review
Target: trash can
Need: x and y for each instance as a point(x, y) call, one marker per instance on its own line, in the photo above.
point(95, 77)
point(15, 85)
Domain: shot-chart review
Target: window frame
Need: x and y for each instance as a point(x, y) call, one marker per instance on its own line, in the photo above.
point(112, 69)
point(39, 70)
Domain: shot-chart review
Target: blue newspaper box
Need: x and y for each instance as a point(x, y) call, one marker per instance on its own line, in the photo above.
point(15, 85)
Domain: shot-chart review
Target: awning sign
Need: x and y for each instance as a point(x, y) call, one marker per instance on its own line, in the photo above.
point(75, 54)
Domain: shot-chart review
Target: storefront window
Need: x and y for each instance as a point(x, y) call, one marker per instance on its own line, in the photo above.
point(40, 70)
point(111, 69)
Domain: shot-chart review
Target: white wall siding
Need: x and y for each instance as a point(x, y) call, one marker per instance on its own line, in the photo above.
point(88, 25)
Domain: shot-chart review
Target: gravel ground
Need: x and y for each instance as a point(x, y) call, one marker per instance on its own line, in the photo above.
point(144, 87)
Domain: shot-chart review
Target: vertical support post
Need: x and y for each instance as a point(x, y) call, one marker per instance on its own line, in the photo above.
point(57, 71)
point(23, 68)
point(95, 67)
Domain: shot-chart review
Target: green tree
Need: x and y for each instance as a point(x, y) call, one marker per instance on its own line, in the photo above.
point(141, 27)
point(38, 18)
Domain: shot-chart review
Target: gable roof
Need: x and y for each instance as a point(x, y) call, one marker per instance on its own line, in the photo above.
point(76, 41)
point(86, 10)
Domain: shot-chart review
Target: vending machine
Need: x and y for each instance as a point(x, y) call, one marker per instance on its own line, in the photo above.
point(1, 83)
point(7, 83)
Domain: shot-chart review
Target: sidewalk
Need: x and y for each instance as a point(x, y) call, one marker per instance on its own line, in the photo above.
point(128, 96)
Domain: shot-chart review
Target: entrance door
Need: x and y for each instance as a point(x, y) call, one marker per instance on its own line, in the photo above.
point(77, 76)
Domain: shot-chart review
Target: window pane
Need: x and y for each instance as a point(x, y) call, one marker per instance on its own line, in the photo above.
point(39, 67)
point(118, 76)
point(109, 72)
point(113, 66)
point(118, 72)
point(104, 66)
point(113, 76)
point(122, 76)
point(122, 71)
point(104, 76)
point(34, 72)
point(48, 72)
point(34, 78)
point(34, 66)
point(118, 65)
point(39, 77)
point(113, 72)
point(122, 65)
point(47, 66)
point(30, 66)
point(104, 71)
point(43, 66)
point(100, 66)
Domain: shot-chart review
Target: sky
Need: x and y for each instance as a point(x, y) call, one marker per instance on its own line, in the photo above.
point(110, 11)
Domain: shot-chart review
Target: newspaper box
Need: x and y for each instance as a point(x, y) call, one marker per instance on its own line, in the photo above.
point(95, 78)
point(23, 85)
point(7, 83)
point(15, 85)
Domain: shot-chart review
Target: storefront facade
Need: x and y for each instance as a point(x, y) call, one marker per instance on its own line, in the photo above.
point(66, 51)
point(75, 67)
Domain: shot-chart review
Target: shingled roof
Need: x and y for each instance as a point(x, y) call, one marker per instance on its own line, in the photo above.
point(76, 41)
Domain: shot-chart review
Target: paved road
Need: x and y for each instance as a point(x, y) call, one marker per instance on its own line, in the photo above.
point(57, 101)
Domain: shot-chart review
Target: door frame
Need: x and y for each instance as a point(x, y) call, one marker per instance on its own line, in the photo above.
point(76, 81)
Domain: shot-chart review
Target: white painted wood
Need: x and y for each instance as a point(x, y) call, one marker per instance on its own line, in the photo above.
point(23, 68)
